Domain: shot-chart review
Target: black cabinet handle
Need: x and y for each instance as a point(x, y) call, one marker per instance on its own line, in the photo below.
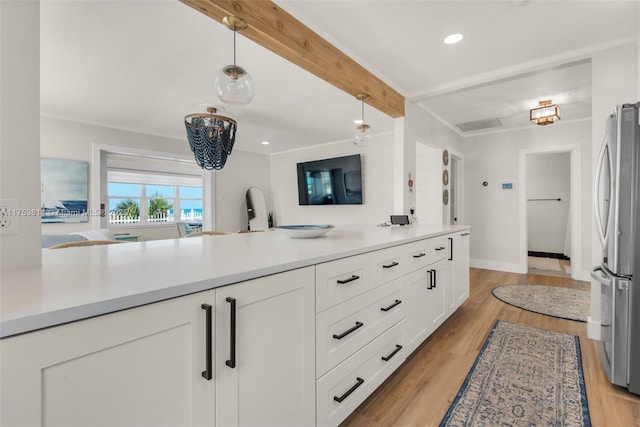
point(420, 255)
point(430, 285)
point(359, 382)
point(465, 234)
point(435, 279)
point(451, 249)
point(232, 334)
point(441, 248)
point(350, 279)
point(393, 353)
point(391, 306)
point(393, 264)
point(208, 372)
point(347, 332)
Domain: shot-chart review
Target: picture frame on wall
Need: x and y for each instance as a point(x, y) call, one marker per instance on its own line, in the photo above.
point(64, 186)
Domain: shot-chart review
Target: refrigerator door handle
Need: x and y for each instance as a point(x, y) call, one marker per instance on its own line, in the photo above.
point(602, 231)
point(599, 278)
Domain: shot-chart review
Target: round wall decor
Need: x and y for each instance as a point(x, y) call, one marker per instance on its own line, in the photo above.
point(445, 157)
point(445, 177)
point(445, 197)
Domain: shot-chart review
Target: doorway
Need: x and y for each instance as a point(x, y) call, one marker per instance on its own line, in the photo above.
point(548, 225)
point(550, 221)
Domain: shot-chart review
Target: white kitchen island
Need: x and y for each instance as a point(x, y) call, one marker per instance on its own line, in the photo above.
point(218, 329)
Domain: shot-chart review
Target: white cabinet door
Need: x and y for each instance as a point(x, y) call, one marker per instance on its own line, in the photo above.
point(417, 324)
point(265, 360)
point(436, 294)
point(461, 266)
point(141, 366)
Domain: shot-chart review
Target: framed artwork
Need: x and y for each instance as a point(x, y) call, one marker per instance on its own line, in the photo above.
point(64, 186)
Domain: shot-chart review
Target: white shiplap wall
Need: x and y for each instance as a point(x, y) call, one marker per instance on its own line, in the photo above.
point(428, 184)
point(377, 185)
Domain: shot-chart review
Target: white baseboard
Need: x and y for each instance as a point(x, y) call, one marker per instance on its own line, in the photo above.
point(593, 329)
point(495, 265)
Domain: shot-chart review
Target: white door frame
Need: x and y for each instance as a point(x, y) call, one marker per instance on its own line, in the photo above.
point(575, 205)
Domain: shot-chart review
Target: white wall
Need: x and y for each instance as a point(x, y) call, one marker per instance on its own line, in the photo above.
point(72, 140)
point(419, 126)
point(615, 76)
point(493, 213)
point(377, 184)
point(243, 170)
point(428, 184)
point(20, 131)
point(548, 177)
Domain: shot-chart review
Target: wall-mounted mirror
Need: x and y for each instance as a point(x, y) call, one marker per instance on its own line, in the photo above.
point(257, 213)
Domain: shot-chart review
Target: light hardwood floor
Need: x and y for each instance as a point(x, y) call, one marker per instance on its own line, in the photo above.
point(421, 390)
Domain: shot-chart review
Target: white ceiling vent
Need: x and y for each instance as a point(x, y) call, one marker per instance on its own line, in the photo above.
point(479, 124)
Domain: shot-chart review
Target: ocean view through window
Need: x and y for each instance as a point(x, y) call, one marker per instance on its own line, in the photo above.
point(144, 198)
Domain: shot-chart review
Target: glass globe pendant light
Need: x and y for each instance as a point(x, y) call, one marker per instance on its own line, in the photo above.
point(363, 133)
point(233, 83)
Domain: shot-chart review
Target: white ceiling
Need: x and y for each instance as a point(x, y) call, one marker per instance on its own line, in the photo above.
point(142, 65)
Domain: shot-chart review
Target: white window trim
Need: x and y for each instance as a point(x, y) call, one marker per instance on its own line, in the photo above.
point(99, 179)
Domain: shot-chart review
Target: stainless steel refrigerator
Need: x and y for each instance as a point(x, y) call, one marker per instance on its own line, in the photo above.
point(617, 210)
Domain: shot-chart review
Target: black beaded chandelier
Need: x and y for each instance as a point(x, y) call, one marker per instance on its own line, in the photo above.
point(211, 138)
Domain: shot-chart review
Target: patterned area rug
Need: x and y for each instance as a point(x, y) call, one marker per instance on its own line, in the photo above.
point(523, 376)
point(565, 303)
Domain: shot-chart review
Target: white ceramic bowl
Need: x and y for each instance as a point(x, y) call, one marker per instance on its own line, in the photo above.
point(304, 231)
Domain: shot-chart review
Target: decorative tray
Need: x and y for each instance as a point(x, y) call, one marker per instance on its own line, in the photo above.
point(304, 231)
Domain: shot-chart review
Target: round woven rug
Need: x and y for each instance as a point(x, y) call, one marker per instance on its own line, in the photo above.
point(565, 303)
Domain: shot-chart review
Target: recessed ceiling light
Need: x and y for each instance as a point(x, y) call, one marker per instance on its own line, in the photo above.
point(453, 38)
point(265, 142)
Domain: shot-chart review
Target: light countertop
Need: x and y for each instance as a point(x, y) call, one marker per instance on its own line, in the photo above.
point(78, 283)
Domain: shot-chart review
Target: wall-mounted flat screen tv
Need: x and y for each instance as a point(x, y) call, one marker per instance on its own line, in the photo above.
point(335, 181)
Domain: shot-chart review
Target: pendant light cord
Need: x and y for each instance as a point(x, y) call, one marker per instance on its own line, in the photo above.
point(234, 47)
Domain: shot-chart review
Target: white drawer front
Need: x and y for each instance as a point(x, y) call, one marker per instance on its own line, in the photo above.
point(416, 255)
point(386, 265)
point(346, 328)
point(356, 378)
point(438, 249)
point(340, 280)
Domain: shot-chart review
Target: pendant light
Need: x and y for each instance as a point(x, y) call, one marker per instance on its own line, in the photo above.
point(363, 133)
point(211, 137)
point(233, 83)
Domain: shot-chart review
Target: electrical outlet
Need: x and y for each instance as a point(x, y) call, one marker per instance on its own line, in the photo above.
point(6, 208)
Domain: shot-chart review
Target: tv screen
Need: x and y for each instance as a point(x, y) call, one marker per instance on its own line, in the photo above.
point(336, 181)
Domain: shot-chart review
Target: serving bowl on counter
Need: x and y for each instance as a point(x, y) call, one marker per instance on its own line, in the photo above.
point(307, 231)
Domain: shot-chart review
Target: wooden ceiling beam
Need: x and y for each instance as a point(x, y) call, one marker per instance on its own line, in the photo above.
point(273, 28)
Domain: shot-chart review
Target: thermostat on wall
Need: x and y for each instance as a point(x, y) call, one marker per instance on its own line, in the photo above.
point(507, 185)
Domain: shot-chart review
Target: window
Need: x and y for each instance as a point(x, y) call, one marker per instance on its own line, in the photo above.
point(148, 198)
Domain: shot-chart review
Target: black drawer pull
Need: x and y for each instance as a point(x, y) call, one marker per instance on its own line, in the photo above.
point(347, 332)
point(393, 264)
point(359, 382)
point(393, 353)
point(391, 306)
point(350, 279)
point(232, 333)
point(441, 248)
point(208, 372)
point(420, 255)
point(465, 234)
